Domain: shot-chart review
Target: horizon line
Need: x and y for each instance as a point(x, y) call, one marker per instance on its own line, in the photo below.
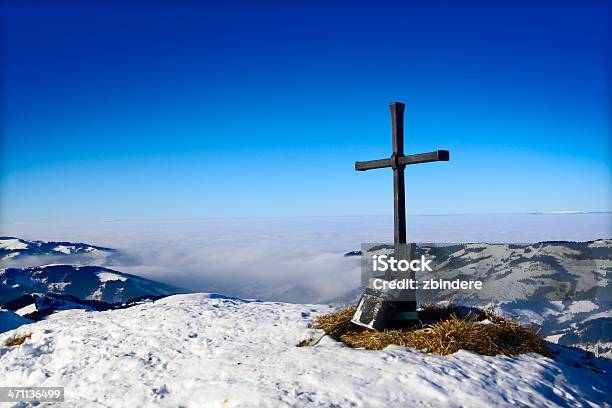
point(566, 212)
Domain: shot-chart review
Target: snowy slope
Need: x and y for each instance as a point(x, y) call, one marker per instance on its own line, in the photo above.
point(84, 282)
point(210, 351)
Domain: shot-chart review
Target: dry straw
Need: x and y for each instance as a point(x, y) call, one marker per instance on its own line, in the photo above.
point(17, 341)
point(483, 332)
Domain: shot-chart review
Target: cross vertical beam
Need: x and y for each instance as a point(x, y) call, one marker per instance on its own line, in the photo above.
point(399, 192)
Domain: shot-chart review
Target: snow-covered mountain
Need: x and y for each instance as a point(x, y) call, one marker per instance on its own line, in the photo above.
point(83, 282)
point(15, 247)
point(540, 271)
point(516, 272)
point(202, 350)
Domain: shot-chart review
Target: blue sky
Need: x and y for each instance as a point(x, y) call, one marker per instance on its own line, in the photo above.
point(112, 110)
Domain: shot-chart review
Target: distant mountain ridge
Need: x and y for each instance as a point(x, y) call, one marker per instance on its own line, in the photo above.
point(550, 270)
point(11, 247)
point(82, 281)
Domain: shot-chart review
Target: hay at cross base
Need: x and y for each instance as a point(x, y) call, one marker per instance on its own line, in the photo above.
point(447, 330)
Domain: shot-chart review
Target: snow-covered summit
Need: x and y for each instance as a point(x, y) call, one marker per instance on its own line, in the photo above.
point(204, 350)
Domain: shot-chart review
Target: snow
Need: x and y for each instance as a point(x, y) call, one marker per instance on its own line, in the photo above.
point(63, 249)
point(31, 308)
point(554, 338)
point(58, 286)
point(97, 294)
point(109, 276)
point(10, 320)
point(202, 350)
point(12, 244)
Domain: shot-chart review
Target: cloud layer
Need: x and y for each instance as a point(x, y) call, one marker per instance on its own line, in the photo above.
point(293, 259)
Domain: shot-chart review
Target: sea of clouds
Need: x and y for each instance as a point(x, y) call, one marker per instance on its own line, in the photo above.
point(290, 259)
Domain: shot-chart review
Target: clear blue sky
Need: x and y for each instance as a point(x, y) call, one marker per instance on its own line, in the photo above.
point(113, 110)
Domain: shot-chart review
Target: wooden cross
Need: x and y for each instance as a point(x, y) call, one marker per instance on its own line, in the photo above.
point(375, 310)
point(398, 162)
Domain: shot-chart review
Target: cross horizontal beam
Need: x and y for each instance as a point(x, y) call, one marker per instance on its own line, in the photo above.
point(438, 155)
